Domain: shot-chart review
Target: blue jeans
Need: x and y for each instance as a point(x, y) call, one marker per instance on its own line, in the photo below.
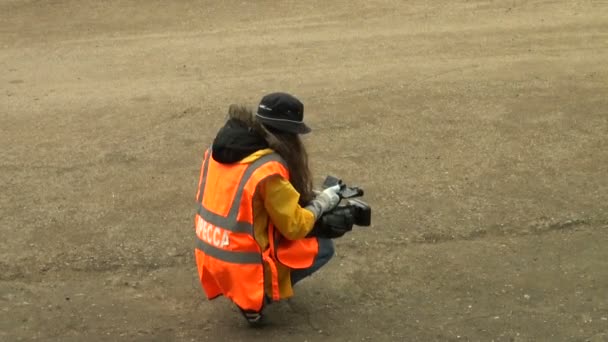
point(326, 252)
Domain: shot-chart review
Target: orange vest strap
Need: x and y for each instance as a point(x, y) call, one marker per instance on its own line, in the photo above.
point(199, 199)
point(274, 274)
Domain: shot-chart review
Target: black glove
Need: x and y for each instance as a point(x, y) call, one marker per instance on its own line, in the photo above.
point(334, 223)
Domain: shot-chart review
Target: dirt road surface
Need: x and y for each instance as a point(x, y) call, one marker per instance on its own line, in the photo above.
point(478, 129)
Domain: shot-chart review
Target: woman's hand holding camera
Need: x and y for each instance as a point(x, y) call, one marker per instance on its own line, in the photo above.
point(325, 201)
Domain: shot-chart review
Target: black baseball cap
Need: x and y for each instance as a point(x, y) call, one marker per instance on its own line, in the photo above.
point(282, 112)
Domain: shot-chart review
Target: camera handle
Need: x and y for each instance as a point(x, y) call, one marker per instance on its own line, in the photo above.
point(345, 192)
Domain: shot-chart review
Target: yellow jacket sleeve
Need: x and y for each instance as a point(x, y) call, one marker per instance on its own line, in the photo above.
point(281, 203)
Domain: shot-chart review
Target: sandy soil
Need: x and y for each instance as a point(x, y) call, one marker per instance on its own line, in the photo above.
point(479, 130)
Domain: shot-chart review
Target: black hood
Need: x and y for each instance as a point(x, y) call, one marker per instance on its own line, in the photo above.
point(236, 141)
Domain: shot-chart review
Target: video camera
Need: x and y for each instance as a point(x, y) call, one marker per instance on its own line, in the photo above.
point(348, 213)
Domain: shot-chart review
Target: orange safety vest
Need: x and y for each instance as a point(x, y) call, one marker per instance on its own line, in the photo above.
point(229, 260)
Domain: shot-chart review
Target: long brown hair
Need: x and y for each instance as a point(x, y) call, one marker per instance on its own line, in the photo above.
point(288, 145)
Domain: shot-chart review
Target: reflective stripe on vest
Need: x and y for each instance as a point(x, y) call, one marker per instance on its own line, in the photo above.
point(230, 222)
point(228, 256)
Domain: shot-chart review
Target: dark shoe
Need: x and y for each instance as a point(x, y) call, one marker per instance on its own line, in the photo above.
point(254, 319)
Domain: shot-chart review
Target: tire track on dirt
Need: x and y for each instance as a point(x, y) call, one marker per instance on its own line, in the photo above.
point(543, 226)
point(540, 228)
point(70, 262)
